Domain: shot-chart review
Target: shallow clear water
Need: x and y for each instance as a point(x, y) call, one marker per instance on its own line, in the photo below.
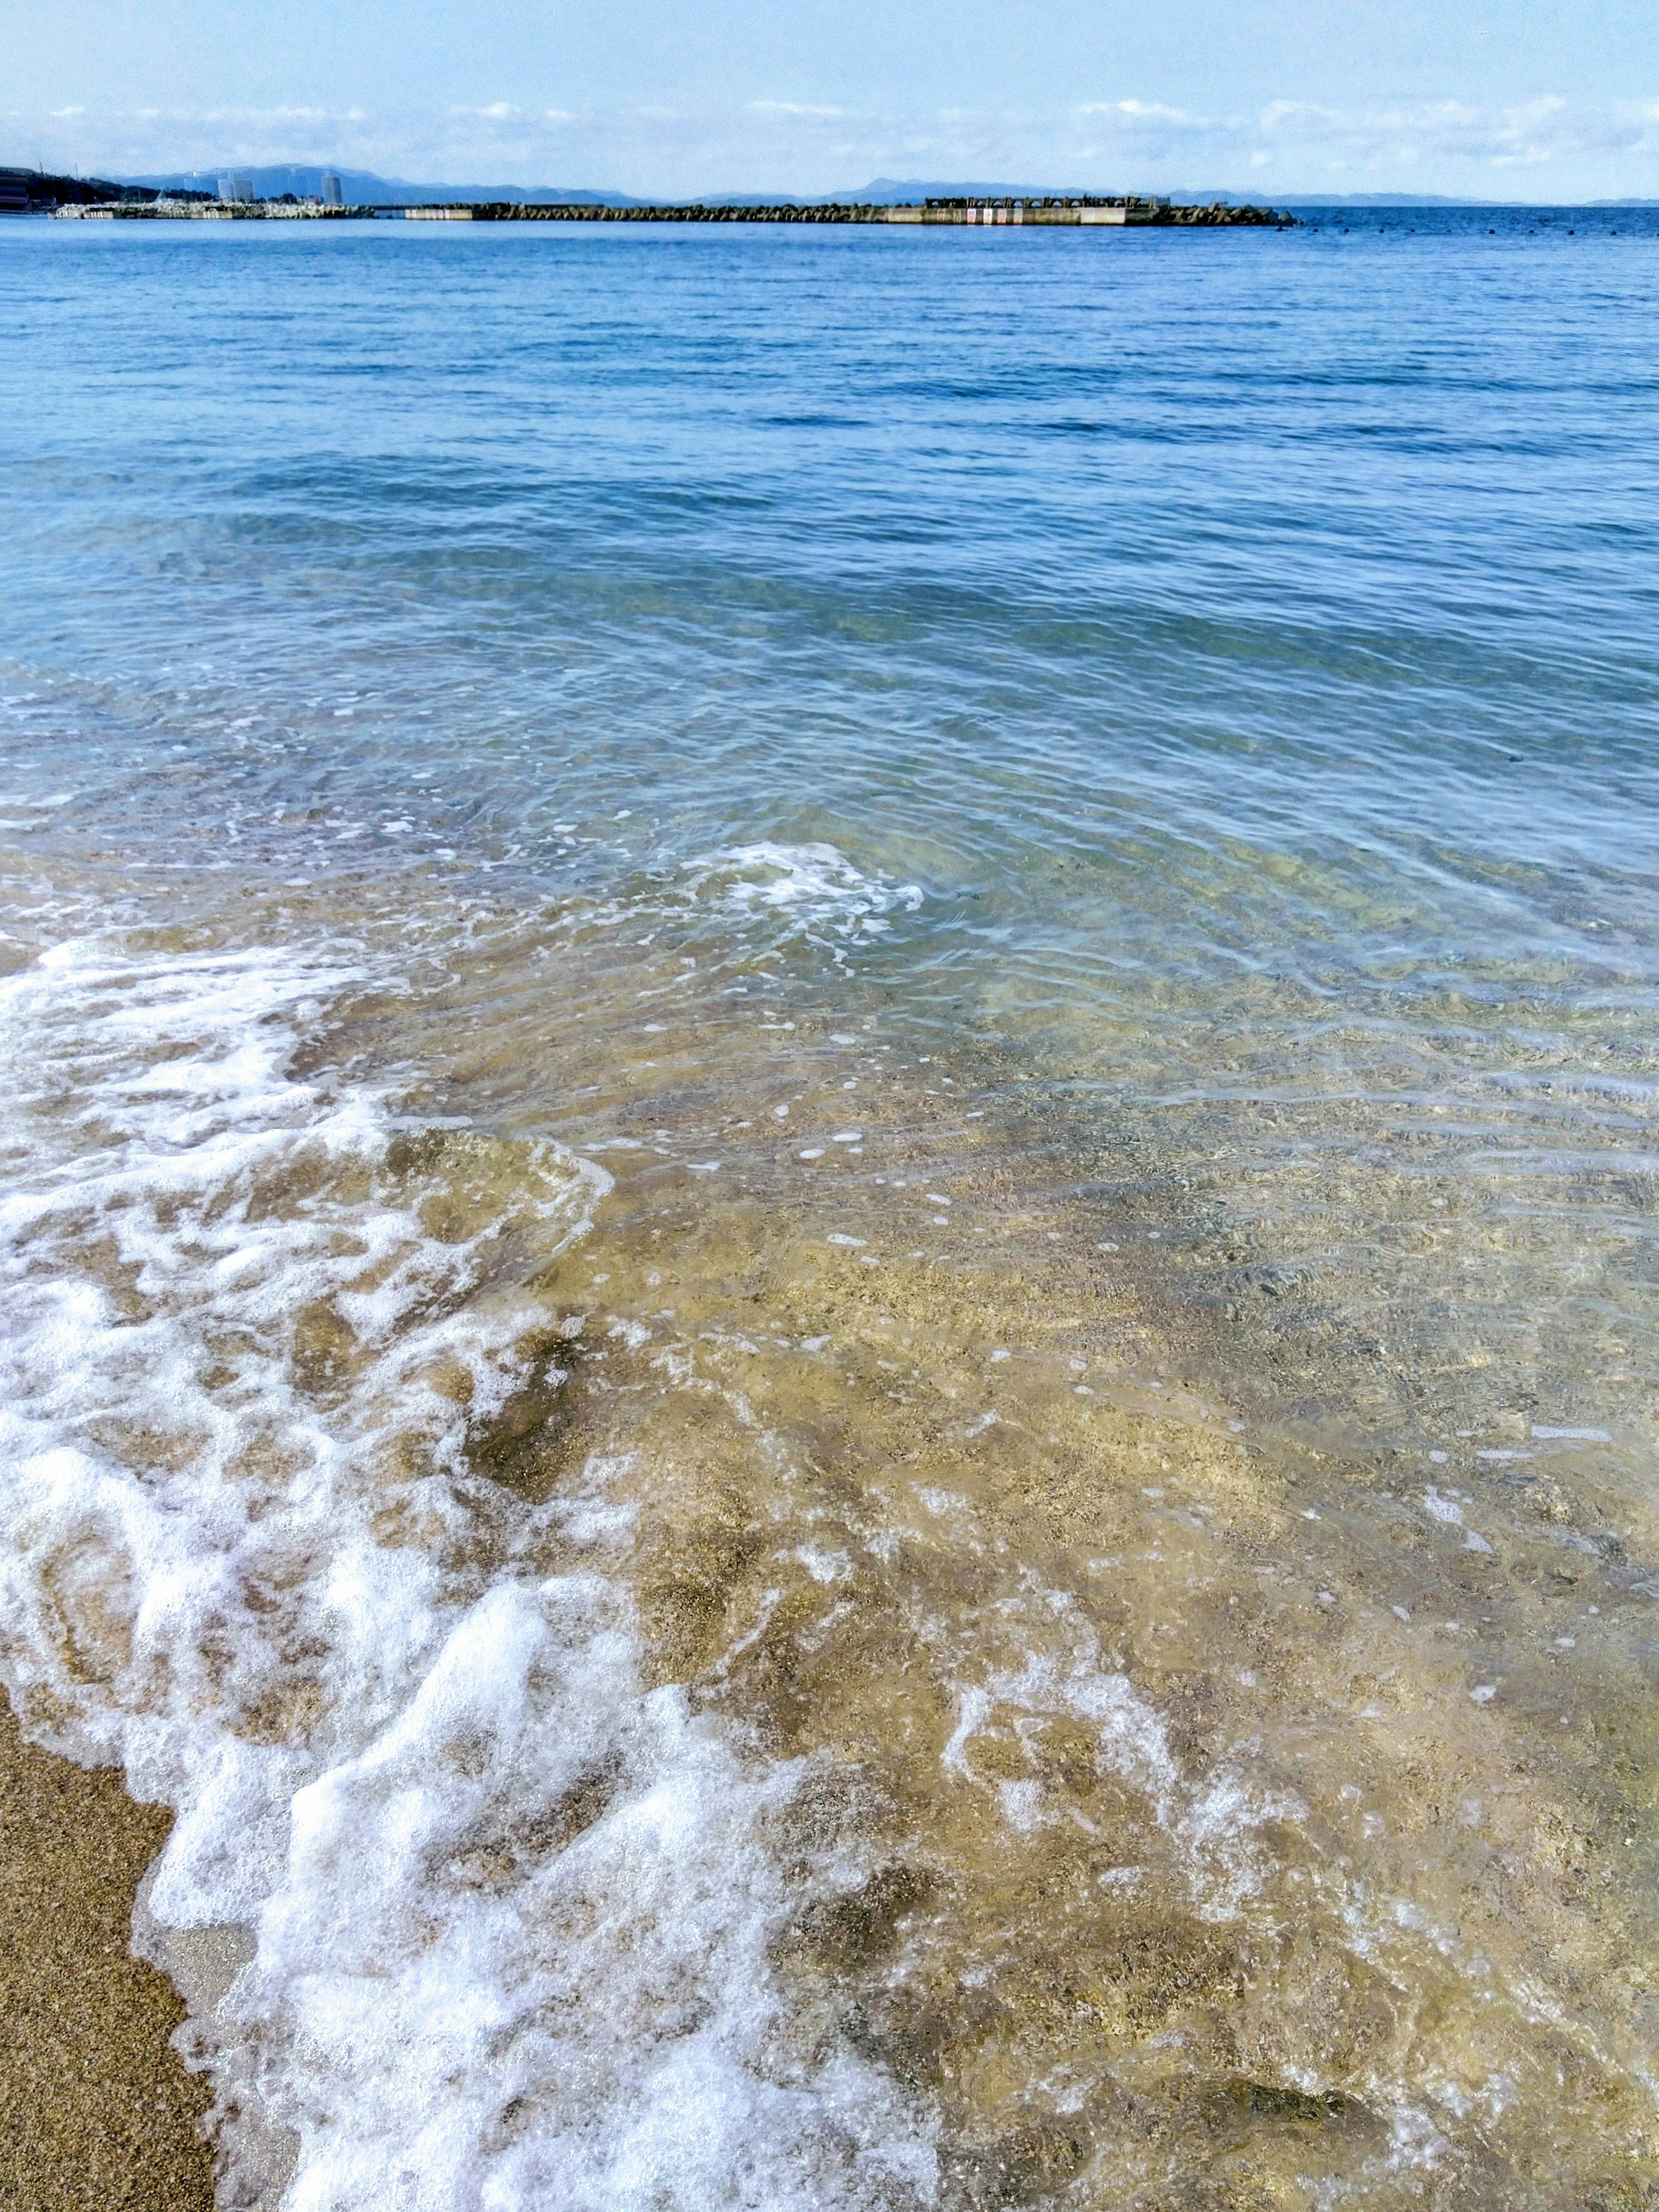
point(828, 1228)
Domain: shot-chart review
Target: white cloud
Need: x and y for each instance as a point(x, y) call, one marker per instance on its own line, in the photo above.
point(1464, 143)
point(1144, 111)
point(1548, 146)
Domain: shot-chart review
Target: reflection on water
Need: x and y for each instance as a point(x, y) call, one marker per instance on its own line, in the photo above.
point(827, 1227)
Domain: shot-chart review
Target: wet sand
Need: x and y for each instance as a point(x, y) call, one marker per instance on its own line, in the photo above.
point(99, 2112)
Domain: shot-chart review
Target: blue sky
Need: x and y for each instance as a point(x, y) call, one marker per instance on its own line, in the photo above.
point(1505, 99)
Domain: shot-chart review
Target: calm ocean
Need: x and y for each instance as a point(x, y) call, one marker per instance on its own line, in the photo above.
point(827, 1234)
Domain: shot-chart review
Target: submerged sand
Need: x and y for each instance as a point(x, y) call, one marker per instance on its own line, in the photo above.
point(1187, 1749)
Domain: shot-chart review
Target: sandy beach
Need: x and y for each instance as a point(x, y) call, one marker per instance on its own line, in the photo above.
point(98, 2110)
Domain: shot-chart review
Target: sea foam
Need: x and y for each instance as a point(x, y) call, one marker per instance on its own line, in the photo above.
point(812, 891)
point(502, 1908)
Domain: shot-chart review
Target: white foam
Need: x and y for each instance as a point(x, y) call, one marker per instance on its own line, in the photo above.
point(1212, 1822)
point(509, 1907)
point(814, 890)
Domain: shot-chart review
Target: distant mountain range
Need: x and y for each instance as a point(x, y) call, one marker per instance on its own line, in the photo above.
point(361, 188)
point(886, 192)
point(1411, 200)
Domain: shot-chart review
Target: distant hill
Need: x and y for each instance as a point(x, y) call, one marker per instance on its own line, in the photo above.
point(36, 191)
point(889, 191)
point(893, 191)
point(361, 188)
point(1381, 200)
point(883, 192)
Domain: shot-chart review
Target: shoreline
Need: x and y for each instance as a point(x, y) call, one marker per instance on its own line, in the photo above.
point(100, 2111)
point(1039, 1554)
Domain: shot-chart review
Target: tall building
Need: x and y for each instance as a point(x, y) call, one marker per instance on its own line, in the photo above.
point(330, 191)
point(236, 188)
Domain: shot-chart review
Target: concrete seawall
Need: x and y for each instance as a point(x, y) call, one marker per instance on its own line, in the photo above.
point(1006, 213)
point(1083, 212)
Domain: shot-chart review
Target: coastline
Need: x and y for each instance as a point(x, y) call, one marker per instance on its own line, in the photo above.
point(100, 2111)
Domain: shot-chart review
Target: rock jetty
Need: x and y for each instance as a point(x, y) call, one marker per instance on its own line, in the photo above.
point(1018, 214)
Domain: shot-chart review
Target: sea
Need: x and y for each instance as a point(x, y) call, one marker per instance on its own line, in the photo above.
point(828, 1196)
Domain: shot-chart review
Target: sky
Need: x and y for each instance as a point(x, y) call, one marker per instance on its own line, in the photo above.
point(1521, 99)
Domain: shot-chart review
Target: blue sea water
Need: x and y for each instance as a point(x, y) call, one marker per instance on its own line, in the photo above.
point(1198, 688)
point(1244, 640)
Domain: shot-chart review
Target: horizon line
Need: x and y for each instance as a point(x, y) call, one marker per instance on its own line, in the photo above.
point(149, 179)
point(887, 187)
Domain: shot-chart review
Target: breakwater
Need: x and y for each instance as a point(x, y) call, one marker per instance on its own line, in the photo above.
point(199, 208)
point(1017, 213)
point(1079, 212)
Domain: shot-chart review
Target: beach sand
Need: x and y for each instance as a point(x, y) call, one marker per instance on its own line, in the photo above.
point(98, 2110)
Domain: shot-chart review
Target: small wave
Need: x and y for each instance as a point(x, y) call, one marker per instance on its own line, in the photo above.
point(506, 1908)
point(815, 890)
